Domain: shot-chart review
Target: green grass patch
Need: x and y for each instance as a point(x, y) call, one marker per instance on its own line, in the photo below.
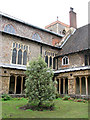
point(63, 109)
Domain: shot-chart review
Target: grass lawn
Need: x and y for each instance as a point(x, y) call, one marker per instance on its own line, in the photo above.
point(63, 109)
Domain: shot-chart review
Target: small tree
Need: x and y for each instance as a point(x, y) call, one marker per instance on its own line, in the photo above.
point(39, 85)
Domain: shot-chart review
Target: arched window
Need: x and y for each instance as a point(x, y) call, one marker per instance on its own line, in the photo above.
point(9, 28)
point(24, 58)
point(65, 60)
point(46, 59)
point(14, 55)
point(36, 37)
point(20, 56)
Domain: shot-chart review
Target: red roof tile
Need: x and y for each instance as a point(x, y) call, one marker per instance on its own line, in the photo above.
point(56, 23)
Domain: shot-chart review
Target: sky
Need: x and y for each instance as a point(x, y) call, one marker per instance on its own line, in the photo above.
point(43, 12)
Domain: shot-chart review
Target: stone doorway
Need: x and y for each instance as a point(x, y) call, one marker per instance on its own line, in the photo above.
point(77, 86)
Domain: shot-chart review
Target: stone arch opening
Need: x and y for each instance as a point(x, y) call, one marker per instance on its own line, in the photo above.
point(66, 86)
point(61, 86)
point(77, 86)
point(12, 84)
point(83, 84)
point(18, 87)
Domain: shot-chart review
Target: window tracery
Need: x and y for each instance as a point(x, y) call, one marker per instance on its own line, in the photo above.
point(19, 54)
point(9, 28)
point(36, 37)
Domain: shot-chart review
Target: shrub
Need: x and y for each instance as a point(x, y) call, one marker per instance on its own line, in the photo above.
point(58, 95)
point(66, 97)
point(40, 88)
point(6, 97)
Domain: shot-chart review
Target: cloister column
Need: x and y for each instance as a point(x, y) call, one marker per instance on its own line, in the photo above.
point(74, 85)
point(86, 80)
point(48, 61)
point(63, 85)
point(52, 62)
point(55, 84)
point(80, 85)
point(59, 85)
point(15, 84)
point(21, 84)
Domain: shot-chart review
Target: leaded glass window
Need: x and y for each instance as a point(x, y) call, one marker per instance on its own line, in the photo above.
point(65, 60)
point(24, 58)
point(46, 59)
point(20, 56)
point(14, 55)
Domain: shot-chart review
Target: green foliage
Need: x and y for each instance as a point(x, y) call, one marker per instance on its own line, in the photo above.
point(58, 95)
point(66, 97)
point(6, 97)
point(39, 86)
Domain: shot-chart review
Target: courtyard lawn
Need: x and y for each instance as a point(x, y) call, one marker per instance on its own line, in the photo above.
point(63, 109)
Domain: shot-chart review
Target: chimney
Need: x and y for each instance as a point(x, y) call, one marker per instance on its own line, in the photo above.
point(73, 21)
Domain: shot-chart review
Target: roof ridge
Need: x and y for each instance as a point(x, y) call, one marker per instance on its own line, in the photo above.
point(57, 21)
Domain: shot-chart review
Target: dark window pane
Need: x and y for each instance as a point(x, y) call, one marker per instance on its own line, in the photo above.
point(86, 60)
point(19, 57)
point(14, 55)
point(66, 60)
point(89, 59)
point(46, 59)
point(53, 63)
point(24, 58)
point(41, 50)
point(50, 62)
point(13, 44)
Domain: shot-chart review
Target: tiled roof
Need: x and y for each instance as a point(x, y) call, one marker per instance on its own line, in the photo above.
point(77, 42)
point(56, 23)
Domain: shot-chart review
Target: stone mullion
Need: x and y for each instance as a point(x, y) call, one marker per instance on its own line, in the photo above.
point(86, 80)
point(75, 85)
point(80, 85)
point(22, 57)
point(52, 62)
point(55, 84)
point(48, 61)
point(17, 57)
point(63, 85)
point(15, 84)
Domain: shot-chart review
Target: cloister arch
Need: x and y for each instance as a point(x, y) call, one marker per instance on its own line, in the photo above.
point(12, 85)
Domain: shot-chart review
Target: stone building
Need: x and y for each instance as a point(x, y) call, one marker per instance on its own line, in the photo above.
point(67, 52)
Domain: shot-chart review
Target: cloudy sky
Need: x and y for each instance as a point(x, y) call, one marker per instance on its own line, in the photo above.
point(43, 12)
